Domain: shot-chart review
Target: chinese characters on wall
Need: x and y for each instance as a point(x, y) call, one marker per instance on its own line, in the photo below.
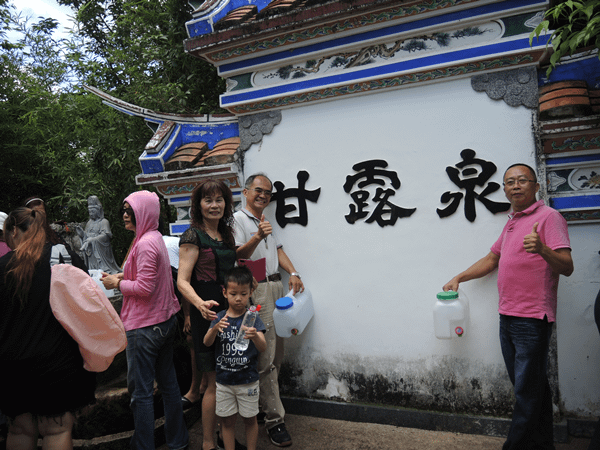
point(301, 193)
point(468, 175)
point(468, 178)
point(367, 174)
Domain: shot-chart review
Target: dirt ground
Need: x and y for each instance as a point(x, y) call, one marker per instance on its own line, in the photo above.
point(312, 433)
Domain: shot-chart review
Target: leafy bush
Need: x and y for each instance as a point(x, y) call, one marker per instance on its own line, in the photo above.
point(576, 25)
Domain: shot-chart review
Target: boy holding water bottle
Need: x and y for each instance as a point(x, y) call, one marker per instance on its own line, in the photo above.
point(237, 371)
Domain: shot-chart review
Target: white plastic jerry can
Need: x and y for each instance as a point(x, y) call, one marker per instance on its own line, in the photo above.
point(292, 313)
point(450, 315)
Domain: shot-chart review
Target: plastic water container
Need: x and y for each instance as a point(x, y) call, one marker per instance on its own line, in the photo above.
point(450, 315)
point(96, 274)
point(292, 313)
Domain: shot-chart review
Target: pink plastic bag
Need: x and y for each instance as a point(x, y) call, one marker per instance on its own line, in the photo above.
point(86, 313)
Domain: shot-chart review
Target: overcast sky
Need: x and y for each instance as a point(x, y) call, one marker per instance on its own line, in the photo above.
point(47, 9)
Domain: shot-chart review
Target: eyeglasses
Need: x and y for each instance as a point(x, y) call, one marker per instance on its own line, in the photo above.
point(129, 211)
point(260, 191)
point(521, 182)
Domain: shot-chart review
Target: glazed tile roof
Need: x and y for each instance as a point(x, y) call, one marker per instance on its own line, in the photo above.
point(282, 7)
point(248, 14)
point(292, 11)
point(278, 15)
point(570, 98)
point(186, 156)
point(237, 16)
point(197, 154)
point(222, 153)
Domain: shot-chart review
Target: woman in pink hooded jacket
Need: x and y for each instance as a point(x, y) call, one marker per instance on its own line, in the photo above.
point(148, 314)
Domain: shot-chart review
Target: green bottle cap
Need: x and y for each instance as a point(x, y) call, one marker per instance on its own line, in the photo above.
point(448, 295)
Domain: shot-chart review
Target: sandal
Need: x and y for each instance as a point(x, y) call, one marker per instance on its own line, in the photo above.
point(186, 403)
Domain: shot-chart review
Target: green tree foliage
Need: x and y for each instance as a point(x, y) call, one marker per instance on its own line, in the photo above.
point(5, 22)
point(576, 25)
point(27, 96)
point(58, 140)
point(134, 49)
point(60, 143)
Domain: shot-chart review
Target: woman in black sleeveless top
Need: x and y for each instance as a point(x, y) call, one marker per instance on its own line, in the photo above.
point(206, 252)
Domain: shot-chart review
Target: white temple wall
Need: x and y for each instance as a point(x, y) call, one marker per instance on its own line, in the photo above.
point(578, 339)
point(374, 288)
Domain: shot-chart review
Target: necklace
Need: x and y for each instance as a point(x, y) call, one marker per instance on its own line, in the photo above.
point(214, 235)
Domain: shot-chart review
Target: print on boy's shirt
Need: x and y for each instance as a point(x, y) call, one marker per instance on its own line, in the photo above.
point(234, 366)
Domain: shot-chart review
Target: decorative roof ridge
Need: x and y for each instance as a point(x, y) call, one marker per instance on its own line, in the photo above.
point(206, 5)
point(265, 23)
point(181, 173)
point(157, 116)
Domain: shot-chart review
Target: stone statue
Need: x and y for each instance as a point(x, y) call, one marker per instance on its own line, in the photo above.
point(95, 245)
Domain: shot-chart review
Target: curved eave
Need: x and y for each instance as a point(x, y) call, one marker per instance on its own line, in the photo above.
point(154, 116)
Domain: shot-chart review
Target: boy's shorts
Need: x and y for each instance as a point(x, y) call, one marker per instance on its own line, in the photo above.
point(240, 398)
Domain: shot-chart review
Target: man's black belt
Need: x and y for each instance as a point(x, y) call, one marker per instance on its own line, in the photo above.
point(274, 277)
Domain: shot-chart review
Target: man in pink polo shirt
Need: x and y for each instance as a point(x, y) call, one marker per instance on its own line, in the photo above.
point(530, 254)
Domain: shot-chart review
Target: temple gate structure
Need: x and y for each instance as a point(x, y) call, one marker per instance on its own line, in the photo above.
point(387, 127)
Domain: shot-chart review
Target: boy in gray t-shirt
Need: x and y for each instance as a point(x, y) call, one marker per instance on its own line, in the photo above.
point(237, 371)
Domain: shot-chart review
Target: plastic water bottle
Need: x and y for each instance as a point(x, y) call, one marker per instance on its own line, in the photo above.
point(292, 313)
point(96, 275)
point(241, 343)
point(450, 315)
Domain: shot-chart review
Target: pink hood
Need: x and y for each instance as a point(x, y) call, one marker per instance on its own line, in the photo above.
point(147, 286)
point(146, 207)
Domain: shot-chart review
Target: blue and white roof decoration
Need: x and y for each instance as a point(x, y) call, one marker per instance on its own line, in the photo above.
point(207, 13)
point(342, 48)
point(199, 135)
point(171, 131)
point(571, 138)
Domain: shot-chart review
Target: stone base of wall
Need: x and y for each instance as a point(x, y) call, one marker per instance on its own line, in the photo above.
point(424, 420)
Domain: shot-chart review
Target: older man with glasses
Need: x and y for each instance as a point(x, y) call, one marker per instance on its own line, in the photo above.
point(254, 240)
point(530, 254)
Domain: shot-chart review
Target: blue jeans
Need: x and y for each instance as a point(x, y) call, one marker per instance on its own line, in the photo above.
point(525, 344)
point(150, 356)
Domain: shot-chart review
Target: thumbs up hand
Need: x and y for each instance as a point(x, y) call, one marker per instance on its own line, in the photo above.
point(532, 242)
point(264, 227)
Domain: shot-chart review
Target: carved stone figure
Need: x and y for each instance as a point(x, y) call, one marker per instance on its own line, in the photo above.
point(96, 237)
